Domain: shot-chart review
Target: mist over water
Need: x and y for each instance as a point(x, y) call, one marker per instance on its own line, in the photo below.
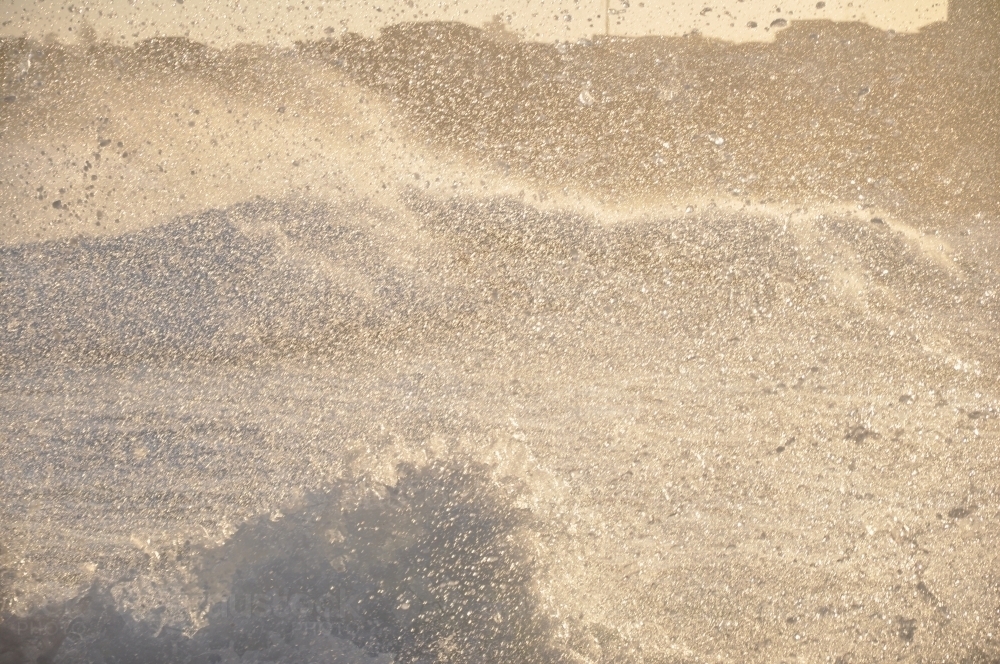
point(447, 346)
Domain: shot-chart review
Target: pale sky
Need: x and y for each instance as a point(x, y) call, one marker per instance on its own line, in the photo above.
point(225, 22)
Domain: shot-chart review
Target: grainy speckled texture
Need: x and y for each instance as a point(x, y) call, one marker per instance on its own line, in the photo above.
point(374, 361)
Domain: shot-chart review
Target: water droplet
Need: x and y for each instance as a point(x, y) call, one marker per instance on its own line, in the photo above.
point(779, 23)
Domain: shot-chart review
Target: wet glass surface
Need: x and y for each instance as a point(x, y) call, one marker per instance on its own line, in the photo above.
point(611, 333)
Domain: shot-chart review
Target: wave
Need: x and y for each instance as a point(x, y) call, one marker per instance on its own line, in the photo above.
point(831, 115)
point(276, 279)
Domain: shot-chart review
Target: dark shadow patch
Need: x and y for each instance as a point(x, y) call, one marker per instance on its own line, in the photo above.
point(431, 571)
point(859, 433)
point(961, 511)
point(927, 594)
point(10, 643)
point(906, 628)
